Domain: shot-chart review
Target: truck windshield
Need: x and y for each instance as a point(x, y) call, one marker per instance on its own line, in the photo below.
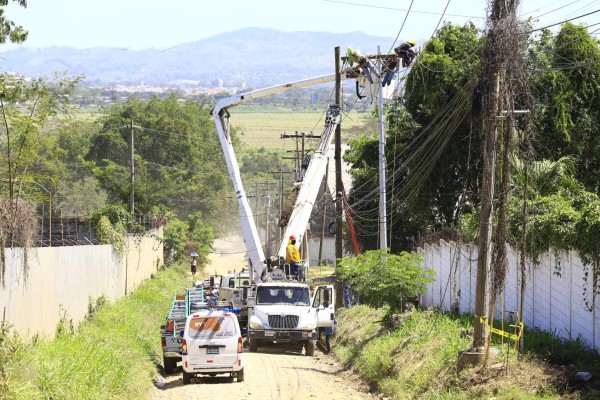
point(297, 296)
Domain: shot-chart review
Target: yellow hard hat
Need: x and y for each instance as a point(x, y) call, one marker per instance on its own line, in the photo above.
point(411, 42)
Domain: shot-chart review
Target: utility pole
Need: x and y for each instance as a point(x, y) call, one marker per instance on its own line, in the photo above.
point(324, 219)
point(383, 244)
point(132, 177)
point(338, 162)
point(267, 244)
point(494, 57)
point(280, 236)
point(256, 205)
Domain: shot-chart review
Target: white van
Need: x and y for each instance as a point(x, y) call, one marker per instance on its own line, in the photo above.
point(212, 345)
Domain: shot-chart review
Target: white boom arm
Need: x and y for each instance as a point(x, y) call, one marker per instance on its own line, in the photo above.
point(311, 183)
point(221, 117)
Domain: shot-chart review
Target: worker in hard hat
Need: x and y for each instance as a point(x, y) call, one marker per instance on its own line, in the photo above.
point(354, 56)
point(390, 65)
point(292, 257)
point(406, 52)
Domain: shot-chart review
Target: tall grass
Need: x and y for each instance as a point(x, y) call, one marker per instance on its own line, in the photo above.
point(112, 356)
point(414, 356)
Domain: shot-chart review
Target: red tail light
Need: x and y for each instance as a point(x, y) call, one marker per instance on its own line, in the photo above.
point(240, 345)
point(184, 348)
point(164, 342)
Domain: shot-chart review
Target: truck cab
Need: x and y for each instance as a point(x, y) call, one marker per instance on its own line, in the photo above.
point(284, 313)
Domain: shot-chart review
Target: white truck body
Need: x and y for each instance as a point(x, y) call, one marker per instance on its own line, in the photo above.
point(284, 312)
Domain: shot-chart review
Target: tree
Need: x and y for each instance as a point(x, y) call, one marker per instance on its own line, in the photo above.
point(9, 31)
point(566, 85)
point(432, 146)
point(25, 109)
point(178, 158)
point(26, 106)
point(381, 278)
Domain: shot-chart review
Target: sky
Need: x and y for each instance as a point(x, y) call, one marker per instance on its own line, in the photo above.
point(142, 24)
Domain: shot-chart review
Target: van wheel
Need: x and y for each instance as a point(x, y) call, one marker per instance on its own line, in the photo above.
point(186, 378)
point(169, 363)
point(240, 375)
point(253, 345)
point(309, 347)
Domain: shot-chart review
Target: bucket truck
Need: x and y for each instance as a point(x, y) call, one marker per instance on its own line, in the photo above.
point(284, 312)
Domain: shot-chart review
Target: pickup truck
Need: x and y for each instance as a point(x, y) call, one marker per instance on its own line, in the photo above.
point(172, 332)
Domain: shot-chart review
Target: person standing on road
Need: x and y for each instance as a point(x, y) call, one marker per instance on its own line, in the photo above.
point(194, 264)
point(292, 257)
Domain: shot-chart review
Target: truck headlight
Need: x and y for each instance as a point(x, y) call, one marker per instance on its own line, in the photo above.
point(255, 323)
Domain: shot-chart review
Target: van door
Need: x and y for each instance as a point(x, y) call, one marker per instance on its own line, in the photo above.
point(324, 304)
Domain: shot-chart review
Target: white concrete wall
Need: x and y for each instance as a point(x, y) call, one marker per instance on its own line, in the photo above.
point(66, 277)
point(328, 249)
point(556, 300)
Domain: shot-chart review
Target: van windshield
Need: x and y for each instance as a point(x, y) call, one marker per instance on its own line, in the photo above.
point(297, 296)
point(208, 327)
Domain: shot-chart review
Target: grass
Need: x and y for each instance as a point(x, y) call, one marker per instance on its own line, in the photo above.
point(112, 356)
point(320, 271)
point(414, 357)
point(264, 129)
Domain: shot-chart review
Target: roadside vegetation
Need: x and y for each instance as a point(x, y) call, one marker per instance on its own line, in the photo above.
point(112, 355)
point(413, 355)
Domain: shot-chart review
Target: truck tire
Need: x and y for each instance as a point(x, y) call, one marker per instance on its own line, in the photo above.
point(186, 378)
point(309, 347)
point(253, 345)
point(240, 375)
point(169, 363)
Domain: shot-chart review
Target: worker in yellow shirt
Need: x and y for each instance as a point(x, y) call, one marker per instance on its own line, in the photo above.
point(292, 257)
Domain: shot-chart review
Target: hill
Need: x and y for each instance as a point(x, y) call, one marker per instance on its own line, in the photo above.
point(257, 57)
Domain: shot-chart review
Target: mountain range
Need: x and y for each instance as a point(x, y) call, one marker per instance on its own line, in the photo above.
point(255, 57)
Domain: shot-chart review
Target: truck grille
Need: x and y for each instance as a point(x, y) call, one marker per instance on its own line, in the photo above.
point(283, 321)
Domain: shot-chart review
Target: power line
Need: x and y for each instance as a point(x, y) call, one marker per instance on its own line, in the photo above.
point(561, 22)
point(402, 26)
point(440, 21)
point(399, 9)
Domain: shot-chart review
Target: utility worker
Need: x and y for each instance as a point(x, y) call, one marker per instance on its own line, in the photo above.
point(406, 53)
point(292, 257)
point(390, 64)
point(354, 56)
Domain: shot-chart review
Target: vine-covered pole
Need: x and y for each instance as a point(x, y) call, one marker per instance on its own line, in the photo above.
point(497, 51)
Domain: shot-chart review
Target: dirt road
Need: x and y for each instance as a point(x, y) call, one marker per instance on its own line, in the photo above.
point(271, 373)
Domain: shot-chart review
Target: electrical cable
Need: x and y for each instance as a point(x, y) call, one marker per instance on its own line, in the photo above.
point(401, 27)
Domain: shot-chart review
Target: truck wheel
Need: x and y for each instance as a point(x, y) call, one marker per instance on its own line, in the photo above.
point(169, 363)
point(253, 345)
point(240, 375)
point(309, 347)
point(186, 378)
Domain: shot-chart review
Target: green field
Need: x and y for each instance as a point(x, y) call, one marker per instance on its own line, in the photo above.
point(265, 129)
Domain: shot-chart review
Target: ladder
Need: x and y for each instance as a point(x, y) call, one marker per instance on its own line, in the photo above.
point(178, 313)
point(195, 300)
